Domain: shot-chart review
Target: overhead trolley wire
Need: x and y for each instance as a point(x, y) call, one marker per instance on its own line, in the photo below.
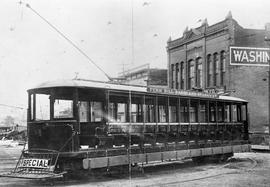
point(10, 106)
point(69, 40)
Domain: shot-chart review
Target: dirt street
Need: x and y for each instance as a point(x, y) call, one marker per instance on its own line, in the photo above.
point(244, 169)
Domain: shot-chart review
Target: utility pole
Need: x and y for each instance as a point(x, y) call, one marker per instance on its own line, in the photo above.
point(267, 40)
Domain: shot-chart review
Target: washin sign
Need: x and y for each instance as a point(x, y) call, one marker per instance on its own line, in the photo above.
point(249, 56)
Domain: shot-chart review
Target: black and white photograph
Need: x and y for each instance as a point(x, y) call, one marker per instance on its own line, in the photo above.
point(135, 93)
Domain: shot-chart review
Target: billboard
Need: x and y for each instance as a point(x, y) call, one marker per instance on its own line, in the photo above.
point(249, 56)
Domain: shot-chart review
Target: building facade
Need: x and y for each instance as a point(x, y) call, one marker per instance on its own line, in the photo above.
point(200, 60)
point(144, 76)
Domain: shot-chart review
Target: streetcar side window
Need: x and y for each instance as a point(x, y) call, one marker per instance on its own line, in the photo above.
point(96, 111)
point(184, 114)
point(227, 108)
point(162, 110)
point(136, 110)
point(173, 110)
point(234, 113)
point(203, 112)
point(220, 112)
point(193, 111)
point(121, 112)
point(84, 111)
point(244, 112)
point(118, 109)
point(212, 112)
point(149, 114)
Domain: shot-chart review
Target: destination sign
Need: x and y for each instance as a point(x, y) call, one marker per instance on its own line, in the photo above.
point(182, 92)
point(34, 163)
point(249, 56)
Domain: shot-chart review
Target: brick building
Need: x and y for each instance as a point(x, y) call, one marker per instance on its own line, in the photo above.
point(200, 59)
point(143, 76)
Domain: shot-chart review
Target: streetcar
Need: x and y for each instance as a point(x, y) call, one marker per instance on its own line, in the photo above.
point(84, 125)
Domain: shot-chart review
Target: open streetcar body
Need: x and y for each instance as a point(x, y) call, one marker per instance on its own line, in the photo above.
point(86, 125)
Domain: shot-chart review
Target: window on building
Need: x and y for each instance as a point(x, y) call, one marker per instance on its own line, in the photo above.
point(222, 67)
point(182, 75)
point(199, 72)
point(177, 76)
point(215, 69)
point(173, 76)
point(191, 74)
point(209, 71)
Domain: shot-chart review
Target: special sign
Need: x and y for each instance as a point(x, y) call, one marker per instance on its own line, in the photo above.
point(249, 56)
point(34, 163)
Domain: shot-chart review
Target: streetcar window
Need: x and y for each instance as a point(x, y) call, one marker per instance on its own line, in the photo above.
point(244, 112)
point(184, 114)
point(118, 109)
point(234, 113)
point(112, 112)
point(32, 106)
point(203, 111)
point(63, 108)
point(193, 111)
point(212, 112)
point(42, 107)
point(122, 112)
point(162, 110)
point(238, 108)
point(136, 113)
point(136, 109)
point(220, 112)
point(84, 111)
point(149, 109)
point(96, 111)
point(227, 117)
point(173, 110)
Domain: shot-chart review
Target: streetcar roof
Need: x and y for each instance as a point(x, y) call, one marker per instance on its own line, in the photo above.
point(82, 83)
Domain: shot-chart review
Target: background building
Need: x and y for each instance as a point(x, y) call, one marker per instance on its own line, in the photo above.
point(200, 59)
point(144, 76)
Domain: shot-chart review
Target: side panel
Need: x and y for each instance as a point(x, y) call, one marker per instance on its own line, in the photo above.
point(92, 163)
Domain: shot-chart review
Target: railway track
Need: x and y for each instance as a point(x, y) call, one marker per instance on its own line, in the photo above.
point(231, 167)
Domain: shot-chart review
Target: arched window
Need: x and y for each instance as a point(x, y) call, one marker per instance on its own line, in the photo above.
point(215, 69)
point(182, 75)
point(209, 71)
point(222, 67)
point(199, 72)
point(191, 74)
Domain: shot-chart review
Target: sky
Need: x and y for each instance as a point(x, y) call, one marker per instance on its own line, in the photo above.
point(31, 52)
